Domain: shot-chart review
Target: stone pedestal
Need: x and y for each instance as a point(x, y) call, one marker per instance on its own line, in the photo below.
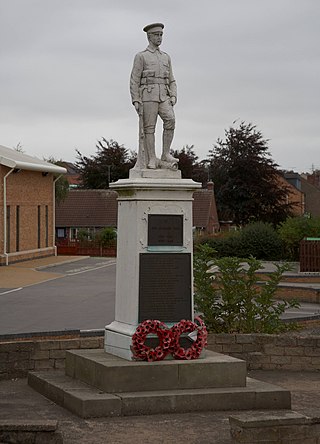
point(97, 384)
point(154, 256)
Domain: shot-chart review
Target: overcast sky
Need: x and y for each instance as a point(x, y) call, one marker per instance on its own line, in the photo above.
point(65, 67)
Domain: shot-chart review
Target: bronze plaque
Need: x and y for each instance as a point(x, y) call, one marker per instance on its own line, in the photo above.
point(165, 229)
point(165, 286)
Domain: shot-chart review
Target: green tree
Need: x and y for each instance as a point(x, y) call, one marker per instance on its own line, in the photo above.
point(189, 165)
point(294, 229)
point(110, 163)
point(246, 178)
point(61, 185)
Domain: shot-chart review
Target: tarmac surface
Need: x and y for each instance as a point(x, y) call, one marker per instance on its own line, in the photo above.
point(77, 293)
point(57, 295)
point(19, 401)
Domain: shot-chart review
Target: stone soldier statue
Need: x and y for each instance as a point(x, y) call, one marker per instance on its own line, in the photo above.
point(154, 92)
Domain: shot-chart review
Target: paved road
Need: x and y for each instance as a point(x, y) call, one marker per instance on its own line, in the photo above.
point(79, 296)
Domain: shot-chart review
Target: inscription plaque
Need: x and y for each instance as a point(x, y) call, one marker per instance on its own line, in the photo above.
point(165, 286)
point(165, 229)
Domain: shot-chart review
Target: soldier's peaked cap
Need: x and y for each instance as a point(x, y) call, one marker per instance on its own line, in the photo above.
point(154, 27)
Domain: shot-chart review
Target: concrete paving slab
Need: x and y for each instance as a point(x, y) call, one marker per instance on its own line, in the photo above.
point(19, 401)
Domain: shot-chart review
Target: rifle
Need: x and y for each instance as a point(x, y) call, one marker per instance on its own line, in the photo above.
point(141, 155)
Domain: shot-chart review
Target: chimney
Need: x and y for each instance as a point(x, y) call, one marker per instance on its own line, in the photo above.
point(210, 186)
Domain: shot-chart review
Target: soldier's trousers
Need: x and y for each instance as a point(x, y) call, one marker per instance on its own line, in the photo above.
point(151, 110)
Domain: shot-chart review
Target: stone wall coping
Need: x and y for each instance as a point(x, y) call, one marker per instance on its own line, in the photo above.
point(270, 419)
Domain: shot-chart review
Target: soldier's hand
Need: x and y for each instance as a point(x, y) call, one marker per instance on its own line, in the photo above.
point(136, 105)
point(173, 100)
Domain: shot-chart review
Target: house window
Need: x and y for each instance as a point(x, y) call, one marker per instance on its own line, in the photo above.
point(47, 226)
point(8, 229)
point(61, 233)
point(39, 226)
point(18, 228)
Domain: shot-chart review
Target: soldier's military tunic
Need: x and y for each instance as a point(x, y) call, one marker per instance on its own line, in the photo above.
point(152, 83)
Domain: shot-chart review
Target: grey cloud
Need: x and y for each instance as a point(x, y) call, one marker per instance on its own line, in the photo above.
point(66, 65)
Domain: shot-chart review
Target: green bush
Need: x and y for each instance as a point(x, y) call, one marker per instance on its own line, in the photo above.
point(106, 236)
point(293, 230)
point(83, 234)
point(227, 245)
point(258, 239)
point(261, 241)
point(228, 296)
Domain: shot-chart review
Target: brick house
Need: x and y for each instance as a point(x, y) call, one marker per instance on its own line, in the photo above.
point(295, 195)
point(205, 215)
point(95, 209)
point(27, 206)
point(91, 210)
point(309, 189)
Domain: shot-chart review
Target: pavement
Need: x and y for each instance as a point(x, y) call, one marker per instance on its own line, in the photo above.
point(22, 274)
point(19, 401)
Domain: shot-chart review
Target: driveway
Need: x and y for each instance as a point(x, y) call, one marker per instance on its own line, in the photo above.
point(66, 293)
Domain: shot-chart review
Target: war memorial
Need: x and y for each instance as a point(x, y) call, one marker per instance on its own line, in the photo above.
point(154, 359)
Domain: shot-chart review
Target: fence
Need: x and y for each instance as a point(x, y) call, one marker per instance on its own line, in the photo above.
point(310, 255)
point(86, 248)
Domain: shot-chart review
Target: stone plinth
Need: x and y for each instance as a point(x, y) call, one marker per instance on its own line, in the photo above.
point(97, 384)
point(154, 256)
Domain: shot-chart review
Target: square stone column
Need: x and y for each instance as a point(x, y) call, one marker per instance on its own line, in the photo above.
point(154, 256)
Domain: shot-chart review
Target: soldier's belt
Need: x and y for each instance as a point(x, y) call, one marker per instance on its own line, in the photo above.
point(154, 81)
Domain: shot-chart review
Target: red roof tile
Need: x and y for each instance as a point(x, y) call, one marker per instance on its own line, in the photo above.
point(88, 208)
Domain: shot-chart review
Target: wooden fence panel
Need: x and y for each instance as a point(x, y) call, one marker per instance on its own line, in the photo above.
point(76, 248)
point(310, 256)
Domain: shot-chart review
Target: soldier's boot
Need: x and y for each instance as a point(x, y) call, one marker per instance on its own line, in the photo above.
point(149, 144)
point(167, 138)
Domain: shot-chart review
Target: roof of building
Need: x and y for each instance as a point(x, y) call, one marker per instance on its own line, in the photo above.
point(88, 208)
point(15, 159)
point(73, 177)
point(98, 208)
point(204, 208)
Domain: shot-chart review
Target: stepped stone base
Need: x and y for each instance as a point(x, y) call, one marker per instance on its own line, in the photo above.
point(112, 374)
point(284, 427)
point(97, 384)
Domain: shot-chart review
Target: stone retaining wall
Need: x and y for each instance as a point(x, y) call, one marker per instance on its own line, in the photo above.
point(270, 352)
point(17, 358)
point(266, 352)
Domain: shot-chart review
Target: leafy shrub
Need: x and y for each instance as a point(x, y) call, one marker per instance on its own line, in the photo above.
point(258, 239)
point(83, 234)
point(229, 298)
point(261, 241)
point(106, 236)
point(293, 230)
point(227, 245)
